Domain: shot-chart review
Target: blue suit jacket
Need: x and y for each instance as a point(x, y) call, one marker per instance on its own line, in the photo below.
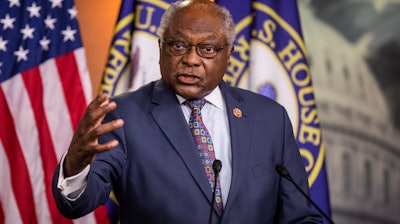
point(157, 176)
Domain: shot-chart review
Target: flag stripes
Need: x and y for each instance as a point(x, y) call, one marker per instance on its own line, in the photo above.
point(60, 124)
point(20, 176)
point(34, 89)
point(44, 90)
point(29, 138)
point(70, 80)
point(6, 193)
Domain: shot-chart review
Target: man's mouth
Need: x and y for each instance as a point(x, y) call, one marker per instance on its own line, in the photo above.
point(188, 79)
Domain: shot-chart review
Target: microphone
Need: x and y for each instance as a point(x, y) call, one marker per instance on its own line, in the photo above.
point(217, 166)
point(283, 172)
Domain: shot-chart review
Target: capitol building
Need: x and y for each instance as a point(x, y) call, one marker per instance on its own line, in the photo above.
point(362, 144)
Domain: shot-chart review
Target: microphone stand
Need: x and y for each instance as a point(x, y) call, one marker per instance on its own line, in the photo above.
point(212, 202)
point(217, 166)
point(282, 171)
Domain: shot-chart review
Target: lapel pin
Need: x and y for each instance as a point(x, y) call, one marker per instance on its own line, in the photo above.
point(237, 112)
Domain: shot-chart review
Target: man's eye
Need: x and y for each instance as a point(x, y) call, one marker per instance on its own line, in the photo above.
point(178, 45)
point(209, 49)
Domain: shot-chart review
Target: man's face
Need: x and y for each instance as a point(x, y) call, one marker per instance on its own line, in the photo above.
point(190, 75)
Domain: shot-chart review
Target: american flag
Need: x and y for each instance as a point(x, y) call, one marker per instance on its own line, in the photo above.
point(45, 87)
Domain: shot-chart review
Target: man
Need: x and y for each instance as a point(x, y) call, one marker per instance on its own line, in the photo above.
point(145, 151)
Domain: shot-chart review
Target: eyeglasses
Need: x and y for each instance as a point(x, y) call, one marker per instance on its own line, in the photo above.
point(178, 48)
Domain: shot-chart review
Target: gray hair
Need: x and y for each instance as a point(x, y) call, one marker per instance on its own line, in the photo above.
point(220, 10)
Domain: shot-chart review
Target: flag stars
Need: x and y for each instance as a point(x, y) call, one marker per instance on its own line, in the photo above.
point(68, 34)
point(3, 44)
point(34, 10)
point(27, 32)
point(8, 22)
point(21, 54)
point(56, 3)
point(14, 3)
point(44, 42)
point(50, 22)
point(72, 12)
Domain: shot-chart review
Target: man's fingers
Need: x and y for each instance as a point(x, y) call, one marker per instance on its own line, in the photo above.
point(97, 114)
point(97, 110)
point(99, 101)
point(84, 145)
point(106, 146)
point(107, 127)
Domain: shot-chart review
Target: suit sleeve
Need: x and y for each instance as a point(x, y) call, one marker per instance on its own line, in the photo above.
point(293, 207)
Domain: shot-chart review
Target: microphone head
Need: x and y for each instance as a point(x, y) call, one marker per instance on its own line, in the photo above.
point(282, 171)
point(217, 165)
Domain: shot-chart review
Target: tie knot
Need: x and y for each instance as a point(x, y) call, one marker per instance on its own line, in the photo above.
point(196, 104)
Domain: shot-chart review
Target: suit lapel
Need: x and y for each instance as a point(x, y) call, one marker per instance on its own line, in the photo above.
point(240, 131)
point(168, 111)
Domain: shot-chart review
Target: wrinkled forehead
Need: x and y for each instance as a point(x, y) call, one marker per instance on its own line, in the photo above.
point(197, 19)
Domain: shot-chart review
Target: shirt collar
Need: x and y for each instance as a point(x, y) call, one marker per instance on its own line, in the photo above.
point(215, 98)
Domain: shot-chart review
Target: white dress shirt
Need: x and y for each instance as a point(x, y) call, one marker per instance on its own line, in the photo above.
point(215, 119)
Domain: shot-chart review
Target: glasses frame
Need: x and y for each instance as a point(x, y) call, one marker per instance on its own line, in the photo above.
point(170, 42)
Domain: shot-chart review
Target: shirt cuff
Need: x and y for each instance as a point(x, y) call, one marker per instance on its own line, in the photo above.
point(72, 187)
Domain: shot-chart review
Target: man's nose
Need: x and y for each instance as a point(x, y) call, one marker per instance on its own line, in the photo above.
point(192, 58)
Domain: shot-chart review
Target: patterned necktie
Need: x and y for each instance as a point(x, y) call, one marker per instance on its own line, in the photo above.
point(204, 144)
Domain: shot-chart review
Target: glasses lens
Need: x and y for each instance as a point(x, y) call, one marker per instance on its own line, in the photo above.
point(178, 48)
point(207, 50)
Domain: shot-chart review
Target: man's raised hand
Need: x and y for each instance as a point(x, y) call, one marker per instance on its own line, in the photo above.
point(84, 144)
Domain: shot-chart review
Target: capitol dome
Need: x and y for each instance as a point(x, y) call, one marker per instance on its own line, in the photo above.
point(362, 145)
